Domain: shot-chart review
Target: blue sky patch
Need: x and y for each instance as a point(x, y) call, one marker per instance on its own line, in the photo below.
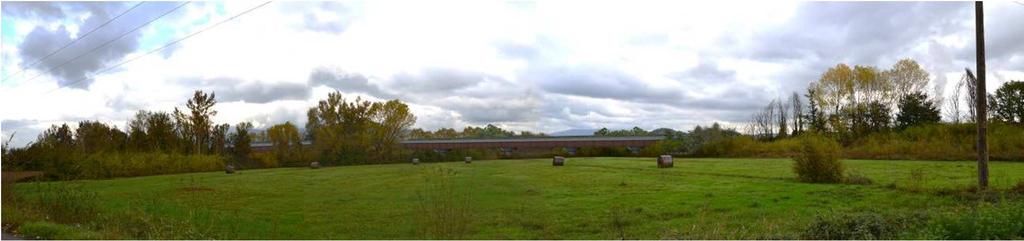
point(165, 32)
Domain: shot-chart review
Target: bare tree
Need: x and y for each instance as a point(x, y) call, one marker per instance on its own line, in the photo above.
point(797, 107)
point(7, 144)
point(766, 121)
point(972, 84)
point(761, 123)
point(782, 111)
point(954, 102)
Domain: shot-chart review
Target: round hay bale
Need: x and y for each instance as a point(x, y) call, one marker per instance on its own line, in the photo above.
point(229, 169)
point(558, 161)
point(415, 161)
point(665, 161)
point(468, 159)
point(314, 165)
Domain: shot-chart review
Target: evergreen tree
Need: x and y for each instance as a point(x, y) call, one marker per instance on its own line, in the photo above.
point(915, 109)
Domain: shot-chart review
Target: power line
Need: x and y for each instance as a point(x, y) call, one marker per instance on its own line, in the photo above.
point(108, 42)
point(73, 41)
point(166, 45)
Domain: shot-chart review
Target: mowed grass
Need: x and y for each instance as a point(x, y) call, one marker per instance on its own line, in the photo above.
point(588, 198)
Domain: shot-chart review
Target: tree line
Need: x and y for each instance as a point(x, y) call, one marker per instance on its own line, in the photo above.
point(488, 131)
point(851, 102)
point(872, 112)
point(879, 113)
point(342, 132)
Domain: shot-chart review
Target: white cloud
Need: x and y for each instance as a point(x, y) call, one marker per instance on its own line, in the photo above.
point(540, 66)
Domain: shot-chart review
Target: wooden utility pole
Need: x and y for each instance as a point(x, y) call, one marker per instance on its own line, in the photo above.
point(981, 112)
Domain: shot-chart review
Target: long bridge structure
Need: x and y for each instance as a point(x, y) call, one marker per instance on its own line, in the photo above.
point(508, 145)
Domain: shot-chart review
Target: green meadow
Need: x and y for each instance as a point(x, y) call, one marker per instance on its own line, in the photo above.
point(588, 198)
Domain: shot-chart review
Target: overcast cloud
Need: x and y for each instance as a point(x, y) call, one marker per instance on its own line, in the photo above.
point(538, 66)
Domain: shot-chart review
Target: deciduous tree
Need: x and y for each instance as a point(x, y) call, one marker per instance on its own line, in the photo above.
point(1009, 102)
point(196, 125)
point(391, 119)
point(219, 138)
point(907, 77)
point(241, 142)
point(287, 143)
point(95, 136)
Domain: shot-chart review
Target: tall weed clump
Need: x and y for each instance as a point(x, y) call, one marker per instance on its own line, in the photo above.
point(860, 225)
point(61, 203)
point(987, 221)
point(444, 206)
point(62, 210)
point(817, 160)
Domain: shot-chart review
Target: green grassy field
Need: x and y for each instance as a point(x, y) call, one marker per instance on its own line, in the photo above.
point(589, 198)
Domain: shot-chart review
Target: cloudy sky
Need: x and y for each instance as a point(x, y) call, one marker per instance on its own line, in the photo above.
point(523, 65)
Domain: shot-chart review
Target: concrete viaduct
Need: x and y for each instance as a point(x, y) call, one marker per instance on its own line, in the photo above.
point(509, 145)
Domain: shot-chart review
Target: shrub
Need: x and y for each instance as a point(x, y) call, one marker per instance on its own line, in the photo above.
point(921, 142)
point(746, 146)
point(818, 160)
point(67, 211)
point(112, 164)
point(999, 221)
point(48, 230)
point(620, 218)
point(940, 142)
point(78, 165)
point(141, 219)
point(863, 225)
point(444, 206)
point(1018, 189)
point(916, 181)
point(857, 178)
point(67, 203)
point(265, 159)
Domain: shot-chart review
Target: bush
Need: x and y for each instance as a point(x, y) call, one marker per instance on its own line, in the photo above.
point(999, 221)
point(917, 180)
point(863, 225)
point(1018, 189)
point(112, 164)
point(857, 178)
point(922, 142)
point(265, 159)
point(746, 146)
point(940, 142)
point(66, 203)
point(818, 160)
point(63, 210)
point(444, 206)
point(48, 230)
